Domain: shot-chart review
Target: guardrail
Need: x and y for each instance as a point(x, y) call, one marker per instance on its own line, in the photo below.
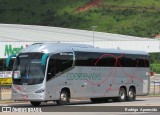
point(155, 87)
point(5, 92)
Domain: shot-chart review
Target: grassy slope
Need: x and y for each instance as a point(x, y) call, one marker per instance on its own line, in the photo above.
point(141, 21)
point(143, 3)
point(129, 21)
point(33, 11)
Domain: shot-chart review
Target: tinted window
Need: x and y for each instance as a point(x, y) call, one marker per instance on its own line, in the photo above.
point(59, 63)
point(94, 59)
point(85, 58)
point(109, 60)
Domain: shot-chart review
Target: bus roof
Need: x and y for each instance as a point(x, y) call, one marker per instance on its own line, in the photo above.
point(69, 47)
point(119, 51)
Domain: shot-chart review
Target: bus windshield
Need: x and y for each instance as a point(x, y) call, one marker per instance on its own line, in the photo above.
point(27, 69)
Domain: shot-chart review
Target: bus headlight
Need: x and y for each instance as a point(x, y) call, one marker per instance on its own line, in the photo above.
point(40, 91)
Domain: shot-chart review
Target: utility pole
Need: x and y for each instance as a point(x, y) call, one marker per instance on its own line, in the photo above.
point(93, 29)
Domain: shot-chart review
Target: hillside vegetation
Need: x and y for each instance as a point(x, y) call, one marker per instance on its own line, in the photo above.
point(130, 17)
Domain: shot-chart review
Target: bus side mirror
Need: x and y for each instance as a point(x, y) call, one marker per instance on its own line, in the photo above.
point(9, 59)
point(44, 59)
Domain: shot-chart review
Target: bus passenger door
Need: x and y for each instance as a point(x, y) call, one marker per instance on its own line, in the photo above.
point(59, 64)
point(52, 82)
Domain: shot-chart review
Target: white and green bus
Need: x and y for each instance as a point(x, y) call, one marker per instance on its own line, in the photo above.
point(60, 71)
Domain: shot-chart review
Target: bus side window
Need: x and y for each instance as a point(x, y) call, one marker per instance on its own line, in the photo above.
point(65, 61)
point(50, 68)
point(58, 63)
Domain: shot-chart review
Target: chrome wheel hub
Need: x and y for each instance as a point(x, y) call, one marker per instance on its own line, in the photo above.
point(63, 97)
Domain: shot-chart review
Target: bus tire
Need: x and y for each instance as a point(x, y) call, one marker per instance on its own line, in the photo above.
point(122, 95)
point(64, 98)
point(131, 95)
point(35, 103)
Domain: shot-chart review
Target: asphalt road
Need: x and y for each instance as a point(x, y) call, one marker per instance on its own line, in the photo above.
point(86, 107)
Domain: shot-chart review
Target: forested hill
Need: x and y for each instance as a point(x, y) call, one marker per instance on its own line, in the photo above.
point(129, 17)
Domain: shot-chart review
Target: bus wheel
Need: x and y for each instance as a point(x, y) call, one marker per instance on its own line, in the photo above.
point(131, 95)
point(64, 98)
point(122, 95)
point(34, 103)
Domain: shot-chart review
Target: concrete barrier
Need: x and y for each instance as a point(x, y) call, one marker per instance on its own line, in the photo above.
point(5, 92)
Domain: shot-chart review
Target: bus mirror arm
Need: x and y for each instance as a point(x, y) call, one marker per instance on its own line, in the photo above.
point(44, 59)
point(9, 59)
